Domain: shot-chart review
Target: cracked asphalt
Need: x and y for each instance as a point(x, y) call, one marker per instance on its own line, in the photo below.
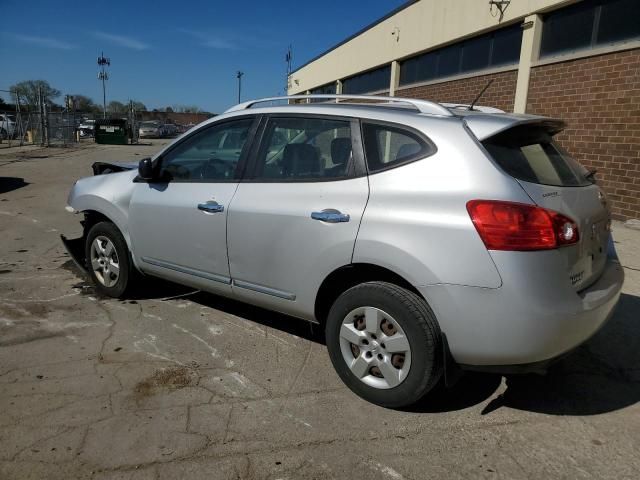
point(180, 384)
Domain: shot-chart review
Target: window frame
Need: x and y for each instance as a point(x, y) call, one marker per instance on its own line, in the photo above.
point(355, 168)
point(430, 147)
point(242, 160)
point(594, 43)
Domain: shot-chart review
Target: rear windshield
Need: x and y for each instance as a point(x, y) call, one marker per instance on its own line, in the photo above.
point(528, 153)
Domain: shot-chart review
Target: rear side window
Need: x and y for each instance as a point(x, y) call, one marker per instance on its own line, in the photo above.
point(305, 149)
point(388, 146)
point(528, 153)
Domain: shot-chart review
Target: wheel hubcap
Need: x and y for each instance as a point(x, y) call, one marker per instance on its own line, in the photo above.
point(375, 348)
point(104, 261)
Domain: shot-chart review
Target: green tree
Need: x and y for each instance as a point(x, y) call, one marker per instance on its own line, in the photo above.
point(139, 106)
point(29, 89)
point(168, 110)
point(85, 104)
point(116, 107)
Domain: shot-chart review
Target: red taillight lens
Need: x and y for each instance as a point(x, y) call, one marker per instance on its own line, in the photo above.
point(518, 226)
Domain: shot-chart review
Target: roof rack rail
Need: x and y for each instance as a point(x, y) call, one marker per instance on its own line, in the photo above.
point(423, 106)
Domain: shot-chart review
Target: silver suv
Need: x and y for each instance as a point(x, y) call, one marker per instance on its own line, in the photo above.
point(425, 238)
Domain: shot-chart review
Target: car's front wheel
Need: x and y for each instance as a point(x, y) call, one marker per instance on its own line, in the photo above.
point(385, 343)
point(108, 259)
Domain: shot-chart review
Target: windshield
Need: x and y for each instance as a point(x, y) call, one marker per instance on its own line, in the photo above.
point(149, 125)
point(528, 153)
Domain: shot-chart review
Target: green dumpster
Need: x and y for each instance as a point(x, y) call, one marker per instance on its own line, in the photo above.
point(113, 131)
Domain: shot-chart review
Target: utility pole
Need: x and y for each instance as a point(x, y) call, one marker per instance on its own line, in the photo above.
point(104, 76)
point(289, 59)
point(239, 75)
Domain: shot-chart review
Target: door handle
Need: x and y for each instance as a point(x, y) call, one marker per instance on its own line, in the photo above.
point(211, 207)
point(330, 215)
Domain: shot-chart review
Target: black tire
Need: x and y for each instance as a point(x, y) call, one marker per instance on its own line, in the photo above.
point(126, 270)
point(421, 328)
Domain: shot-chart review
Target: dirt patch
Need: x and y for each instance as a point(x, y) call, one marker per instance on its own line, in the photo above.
point(172, 378)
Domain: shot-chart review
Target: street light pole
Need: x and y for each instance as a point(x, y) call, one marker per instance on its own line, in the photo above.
point(104, 76)
point(239, 75)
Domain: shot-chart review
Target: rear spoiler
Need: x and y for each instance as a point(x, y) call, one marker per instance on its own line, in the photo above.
point(486, 126)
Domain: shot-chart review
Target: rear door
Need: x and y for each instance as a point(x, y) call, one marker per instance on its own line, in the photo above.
point(556, 181)
point(295, 219)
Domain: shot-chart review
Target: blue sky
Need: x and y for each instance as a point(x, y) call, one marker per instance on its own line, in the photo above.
point(171, 52)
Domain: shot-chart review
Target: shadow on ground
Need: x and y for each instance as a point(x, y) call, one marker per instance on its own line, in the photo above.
point(9, 184)
point(603, 375)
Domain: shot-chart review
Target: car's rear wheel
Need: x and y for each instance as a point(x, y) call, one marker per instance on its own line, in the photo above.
point(385, 343)
point(108, 259)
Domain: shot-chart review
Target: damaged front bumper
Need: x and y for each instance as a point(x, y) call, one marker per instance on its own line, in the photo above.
point(76, 250)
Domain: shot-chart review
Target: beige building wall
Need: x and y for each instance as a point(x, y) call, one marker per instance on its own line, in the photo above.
point(424, 25)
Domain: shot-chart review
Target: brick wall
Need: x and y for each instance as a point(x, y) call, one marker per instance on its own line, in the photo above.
point(501, 93)
point(599, 97)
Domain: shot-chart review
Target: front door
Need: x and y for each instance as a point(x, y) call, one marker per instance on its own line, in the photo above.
point(178, 224)
point(295, 218)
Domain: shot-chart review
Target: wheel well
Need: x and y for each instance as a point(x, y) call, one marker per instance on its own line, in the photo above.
point(349, 276)
point(91, 217)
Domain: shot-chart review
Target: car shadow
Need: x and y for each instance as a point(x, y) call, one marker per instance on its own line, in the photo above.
point(9, 184)
point(603, 375)
point(163, 290)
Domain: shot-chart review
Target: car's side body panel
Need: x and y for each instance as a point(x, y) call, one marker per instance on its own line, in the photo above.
point(274, 243)
point(416, 223)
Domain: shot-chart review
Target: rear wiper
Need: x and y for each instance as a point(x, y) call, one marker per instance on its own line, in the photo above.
point(591, 175)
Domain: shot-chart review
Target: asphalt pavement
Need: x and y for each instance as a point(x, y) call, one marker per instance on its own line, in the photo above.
point(176, 383)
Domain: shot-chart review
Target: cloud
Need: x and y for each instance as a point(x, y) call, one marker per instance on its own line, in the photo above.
point(122, 40)
point(210, 41)
point(46, 42)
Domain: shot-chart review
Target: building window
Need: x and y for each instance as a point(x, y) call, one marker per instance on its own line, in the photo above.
point(590, 24)
point(328, 89)
point(491, 50)
point(371, 81)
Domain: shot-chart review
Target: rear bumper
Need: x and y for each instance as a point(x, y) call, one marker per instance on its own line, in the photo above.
point(531, 320)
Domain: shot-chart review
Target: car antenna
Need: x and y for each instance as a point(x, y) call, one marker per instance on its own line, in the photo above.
point(480, 94)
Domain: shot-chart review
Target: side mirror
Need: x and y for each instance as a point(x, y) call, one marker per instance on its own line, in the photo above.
point(145, 169)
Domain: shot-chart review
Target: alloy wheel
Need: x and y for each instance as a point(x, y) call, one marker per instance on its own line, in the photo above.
point(104, 261)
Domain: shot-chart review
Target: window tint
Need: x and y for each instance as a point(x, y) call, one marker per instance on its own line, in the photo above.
point(305, 149)
point(329, 88)
point(209, 155)
point(475, 55)
point(386, 146)
point(589, 24)
point(494, 49)
point(528, 153)
point(619, 20)
point(372, 81)
point(568, 29)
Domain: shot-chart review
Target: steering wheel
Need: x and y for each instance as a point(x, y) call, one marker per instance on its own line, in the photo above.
point(214, 168)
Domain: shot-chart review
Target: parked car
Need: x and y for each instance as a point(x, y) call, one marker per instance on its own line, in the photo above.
point(8, 127)
point(87, 128)
point(170, 130)
point(152, 129)
point(423, 238)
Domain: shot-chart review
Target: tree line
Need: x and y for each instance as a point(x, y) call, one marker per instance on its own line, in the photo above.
point(28, 92)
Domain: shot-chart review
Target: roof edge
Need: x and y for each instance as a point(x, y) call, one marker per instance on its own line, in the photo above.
point(358, 33)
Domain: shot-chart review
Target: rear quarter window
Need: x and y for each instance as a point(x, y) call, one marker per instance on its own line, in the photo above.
point(389, 146)
point(529, 153)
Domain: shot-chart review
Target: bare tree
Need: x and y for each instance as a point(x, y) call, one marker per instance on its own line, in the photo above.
point(28, 91)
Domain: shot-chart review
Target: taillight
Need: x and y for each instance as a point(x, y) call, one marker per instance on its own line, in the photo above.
point(518, 226)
